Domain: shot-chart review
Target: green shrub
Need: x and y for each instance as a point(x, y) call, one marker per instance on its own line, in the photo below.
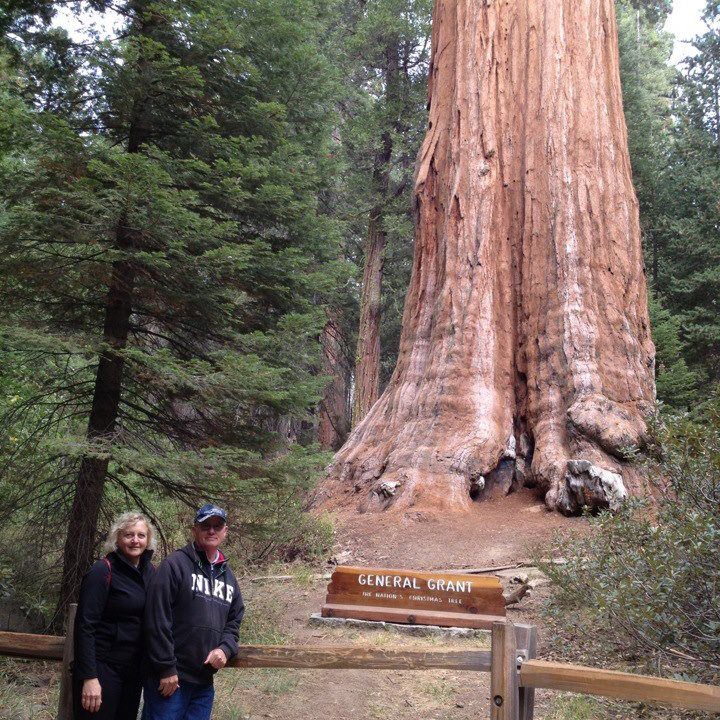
point(646, 578)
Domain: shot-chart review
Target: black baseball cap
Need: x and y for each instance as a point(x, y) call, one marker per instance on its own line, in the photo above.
point(209, 510)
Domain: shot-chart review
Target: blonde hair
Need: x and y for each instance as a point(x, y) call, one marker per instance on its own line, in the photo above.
point(122, 523)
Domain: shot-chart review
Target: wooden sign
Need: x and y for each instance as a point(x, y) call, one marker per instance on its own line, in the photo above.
point(418, 598)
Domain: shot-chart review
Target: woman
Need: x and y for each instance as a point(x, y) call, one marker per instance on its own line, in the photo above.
point(108, 624)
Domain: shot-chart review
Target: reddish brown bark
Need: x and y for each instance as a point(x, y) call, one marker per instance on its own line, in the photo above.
point(367, 357)
point(333, 422)
point(525, 347)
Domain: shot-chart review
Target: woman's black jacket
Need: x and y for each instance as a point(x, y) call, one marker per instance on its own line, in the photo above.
point(109, 620)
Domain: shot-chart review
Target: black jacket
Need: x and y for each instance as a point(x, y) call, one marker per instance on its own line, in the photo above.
point(192, 608)
point(109, 620)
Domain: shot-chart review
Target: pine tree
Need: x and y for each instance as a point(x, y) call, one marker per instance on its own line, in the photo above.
point(672, 131)
point(676, 382)
point(647, 83)
point(694, 250)
point(165, 252)
point(391, 42)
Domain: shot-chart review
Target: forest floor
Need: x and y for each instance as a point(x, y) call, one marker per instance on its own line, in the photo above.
point(500, 531)
point(497, 532)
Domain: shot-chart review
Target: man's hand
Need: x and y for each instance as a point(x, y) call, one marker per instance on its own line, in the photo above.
point(169, 685)
point(216, 658)
point(91, 697)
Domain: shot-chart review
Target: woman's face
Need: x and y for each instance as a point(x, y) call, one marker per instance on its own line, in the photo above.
point(132, 541)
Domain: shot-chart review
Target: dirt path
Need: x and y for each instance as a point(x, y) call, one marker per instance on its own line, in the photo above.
point(497, 532)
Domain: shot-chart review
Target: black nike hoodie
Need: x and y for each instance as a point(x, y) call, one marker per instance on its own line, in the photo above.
point(192, 608)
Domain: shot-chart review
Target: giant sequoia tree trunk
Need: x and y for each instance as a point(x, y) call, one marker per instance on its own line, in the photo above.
point(526, 347)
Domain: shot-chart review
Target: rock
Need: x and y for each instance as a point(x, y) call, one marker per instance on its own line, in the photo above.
point(538, 582)
point(387, 489)
point(341, 558)
point(524, 446)
point(509, 451)
point(593, 486)
point(477, 485)
point(316, 620)
point(502, 478)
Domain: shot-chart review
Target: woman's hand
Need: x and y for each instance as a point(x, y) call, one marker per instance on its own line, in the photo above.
point(91, 695)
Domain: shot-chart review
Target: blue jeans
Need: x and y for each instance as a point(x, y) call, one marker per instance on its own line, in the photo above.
point(188, 702)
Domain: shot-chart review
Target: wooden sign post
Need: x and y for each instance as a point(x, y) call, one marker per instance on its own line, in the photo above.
point(418, 598)
point(504, 696)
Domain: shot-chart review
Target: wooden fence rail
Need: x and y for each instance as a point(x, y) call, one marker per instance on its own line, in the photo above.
point(620, 685)
point(514, 672)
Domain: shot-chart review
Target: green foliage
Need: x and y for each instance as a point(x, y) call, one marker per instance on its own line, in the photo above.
point(672, 135)
point(676, 383)
point(382, 48)
point(202, 133)
point(647, 82)
point(646, 578)
point(274, 525)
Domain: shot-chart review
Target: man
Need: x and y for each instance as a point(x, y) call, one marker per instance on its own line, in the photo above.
point(192, 615)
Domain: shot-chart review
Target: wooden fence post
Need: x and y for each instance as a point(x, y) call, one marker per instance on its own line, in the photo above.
point(65, 702)
point(526, 639)
point(504, 703)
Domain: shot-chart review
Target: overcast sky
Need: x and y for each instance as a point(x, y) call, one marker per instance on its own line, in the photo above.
point(684, 23)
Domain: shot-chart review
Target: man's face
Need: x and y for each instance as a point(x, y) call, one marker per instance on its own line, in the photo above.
point(209, 534)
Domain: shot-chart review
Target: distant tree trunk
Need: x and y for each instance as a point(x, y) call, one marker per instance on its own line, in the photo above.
point(333, 422)
point(367, 357)
point(526, 346)
point(81, 540)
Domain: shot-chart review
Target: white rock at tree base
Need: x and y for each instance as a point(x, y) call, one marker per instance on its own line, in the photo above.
point(611, 483)
point(509, 451)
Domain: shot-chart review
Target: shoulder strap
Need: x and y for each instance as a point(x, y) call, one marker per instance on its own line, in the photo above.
point(107, 562)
